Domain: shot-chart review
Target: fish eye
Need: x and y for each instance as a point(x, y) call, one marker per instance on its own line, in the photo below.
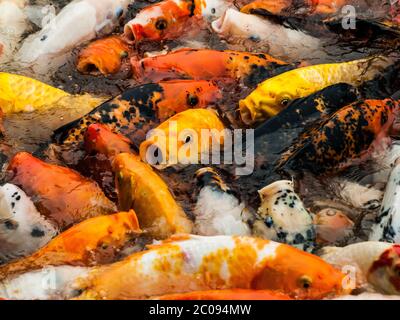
point(285, 102)
point(192, 100)
point(161, 24)
point(119, 12)
point(188, 139)
point(305, 282)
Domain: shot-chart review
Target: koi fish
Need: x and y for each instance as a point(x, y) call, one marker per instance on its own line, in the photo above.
point(264, 35)
point(283, 217)
point(349, 135)
point(60, 194)
point(387, 226)
point(13, 23)
point(234, 294)
point(22, 94)
point(48, 283)
point(169, 19)
point(217, 210)
point(23, 230)
point(48, 49)
point(192, 263)
point(305, 111)
point(332, 226)
point(143, 107)
point(377, 263)
point(105, 55)
point(275, 94)
point(141, 189)
point(100, 139)
point(187, 63)
point(92, 242)
point(179, 140)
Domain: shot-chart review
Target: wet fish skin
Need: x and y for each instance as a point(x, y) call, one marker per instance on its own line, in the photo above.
point(218, 211)
point(60, 194)
point(92, 242)
point(142, 189)
point(104, 55)
point(192, 263)
point(282, 217)
point(275, 94)
point(185, 130)
point(141, 107)
point(377, 263)
point(386, 227)
point(186, 63)
point(23, 230)
point(345, 137)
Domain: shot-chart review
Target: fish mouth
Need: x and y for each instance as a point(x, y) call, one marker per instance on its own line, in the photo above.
point(132, 33)
point(218, 25)
point(152, 154)
point(248, 112)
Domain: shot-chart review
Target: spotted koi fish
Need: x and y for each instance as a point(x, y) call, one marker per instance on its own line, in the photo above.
point(142, 107)
point(275, 94)
point(387, 226)
point(189, 63)
point(169, 19)
point(349, 135)
point(193, 263)
point(284, 218)
point(91, 242)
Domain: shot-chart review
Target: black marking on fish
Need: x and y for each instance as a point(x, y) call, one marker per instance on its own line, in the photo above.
point(37, 233)
point(261, 73)
point(11, 224)
point(302, 112)
point(140, 99)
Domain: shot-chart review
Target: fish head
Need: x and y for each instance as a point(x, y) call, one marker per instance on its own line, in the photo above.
point(165, 20)
point(100, 139)
point(300, 274)
point(270, 6)
point(269, 98)
point(180, 95)
point(282, 216)
point(384, 273)
point(183, 139)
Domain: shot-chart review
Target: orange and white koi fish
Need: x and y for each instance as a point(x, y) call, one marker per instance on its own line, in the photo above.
point(376, 263)
point(92, 242)
point(192, 263)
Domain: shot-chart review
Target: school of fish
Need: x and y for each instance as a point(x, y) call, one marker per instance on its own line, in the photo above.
point(199, 150)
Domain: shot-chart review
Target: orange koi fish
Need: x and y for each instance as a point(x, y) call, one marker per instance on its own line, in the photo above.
point(105, 55)
point(208, 64)
point(60, 194)
point(234, 294)
point(91, 242)
point(169, 19)
point(192, 263)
